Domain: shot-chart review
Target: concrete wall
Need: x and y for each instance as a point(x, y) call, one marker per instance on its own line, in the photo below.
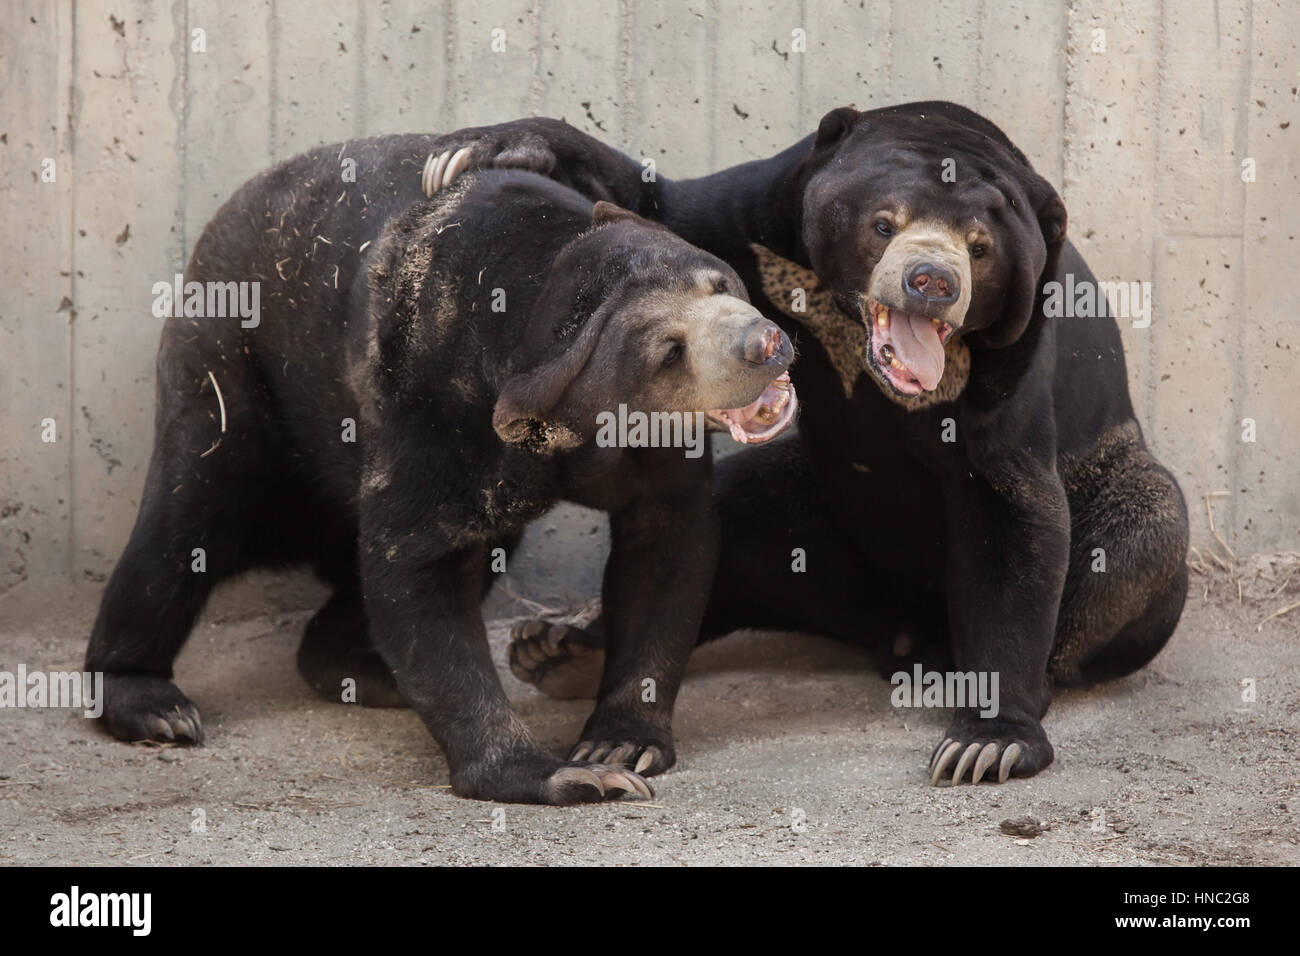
point(1145, 138)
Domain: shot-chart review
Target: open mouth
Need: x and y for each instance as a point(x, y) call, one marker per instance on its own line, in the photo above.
point(765, 417)
point(906, 348)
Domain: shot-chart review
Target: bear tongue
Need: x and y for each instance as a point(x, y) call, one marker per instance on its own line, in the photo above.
point(916, 343)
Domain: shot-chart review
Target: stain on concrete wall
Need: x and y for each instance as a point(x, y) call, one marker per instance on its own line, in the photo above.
point(153, 112)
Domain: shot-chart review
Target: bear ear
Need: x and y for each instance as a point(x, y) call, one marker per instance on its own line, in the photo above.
point(1025, 291)
point(525, 412)
point(1053, 220)
point(606, 212)
point(835, 125)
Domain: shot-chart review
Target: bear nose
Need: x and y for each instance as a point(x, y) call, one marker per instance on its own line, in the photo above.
point(764, 342)
point(932, 283)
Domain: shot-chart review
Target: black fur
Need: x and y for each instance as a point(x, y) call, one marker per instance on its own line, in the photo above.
point(377, 306)
point(982, 547)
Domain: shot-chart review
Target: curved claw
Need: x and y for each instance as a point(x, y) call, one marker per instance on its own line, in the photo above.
point(579, 775)
point(458, 163)
point(440, 171)
point(160, 729)
point(582, 751)
point(967, 758)
point(620, 754)
point(934, 754)
point(944, 759)
point(430, 178)
point(186, 728)
point(1009, 758)
point(647, 758)
point(985, 760)
point(626, 781)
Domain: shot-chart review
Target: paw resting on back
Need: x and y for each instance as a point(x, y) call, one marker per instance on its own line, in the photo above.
point(560, 660)
point(993, 749)
point(441, 168)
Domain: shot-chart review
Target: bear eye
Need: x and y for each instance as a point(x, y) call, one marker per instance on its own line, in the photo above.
point(884, 227)
point(721, 286)
point(674, 354)
point(977, 251)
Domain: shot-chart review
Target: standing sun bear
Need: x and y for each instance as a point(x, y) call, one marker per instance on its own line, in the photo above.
point(471, 342)
point(970, 484)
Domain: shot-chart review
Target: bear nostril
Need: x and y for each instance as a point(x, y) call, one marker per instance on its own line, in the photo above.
point(931, 281)
point(762, 342)
point(773, 343)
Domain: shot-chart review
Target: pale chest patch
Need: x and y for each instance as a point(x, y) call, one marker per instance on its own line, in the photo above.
point(787, 283)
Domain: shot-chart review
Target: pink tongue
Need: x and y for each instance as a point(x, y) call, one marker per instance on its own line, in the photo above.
point(916, 342)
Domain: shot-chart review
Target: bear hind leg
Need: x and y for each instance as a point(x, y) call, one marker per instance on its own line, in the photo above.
point(1127, 580)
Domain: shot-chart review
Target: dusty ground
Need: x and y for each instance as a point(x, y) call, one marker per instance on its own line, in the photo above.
point(1169, 766)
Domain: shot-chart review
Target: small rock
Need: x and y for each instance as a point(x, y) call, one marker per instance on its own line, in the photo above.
point(1022, 827)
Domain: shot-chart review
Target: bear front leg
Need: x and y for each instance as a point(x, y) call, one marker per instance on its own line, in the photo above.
point(427, 626)
point(663, 554)
point(1007, 555)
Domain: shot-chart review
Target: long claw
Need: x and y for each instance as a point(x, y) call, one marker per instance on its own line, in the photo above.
point(620, 754)
point(457, 165)
point(938, 750)
point(424, 175)
point(1009, 758)
point(185, 728)
point(967, 756)
point(614, 780)
point(579, 775)
point(986, 758)
point(646, 759)
point(598, 755)
point(642, 787)
point(160, 729)
point(435, 181)
point(627, 782)
point(944, 759)
point(581, 751)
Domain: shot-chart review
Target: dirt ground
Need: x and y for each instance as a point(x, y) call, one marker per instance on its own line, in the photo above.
point(1169, 766)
